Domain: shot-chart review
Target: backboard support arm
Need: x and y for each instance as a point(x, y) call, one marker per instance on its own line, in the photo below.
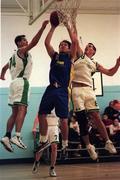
point(44, 5)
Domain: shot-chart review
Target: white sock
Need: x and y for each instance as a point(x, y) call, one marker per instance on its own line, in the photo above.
point(108, 141)
point(18, 134)
point(88, 146)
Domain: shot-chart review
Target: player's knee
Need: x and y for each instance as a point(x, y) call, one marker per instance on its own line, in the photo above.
point(64, 122)
point(83, 122)
point(81, 116)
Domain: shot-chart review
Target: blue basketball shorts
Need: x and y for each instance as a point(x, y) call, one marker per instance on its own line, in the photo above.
point(54, 98)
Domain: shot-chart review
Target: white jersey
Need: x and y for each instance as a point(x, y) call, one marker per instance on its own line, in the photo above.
point(20, 67)
point(52, 120)
point(83, 69)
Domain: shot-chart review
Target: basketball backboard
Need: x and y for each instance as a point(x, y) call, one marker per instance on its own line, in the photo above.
point(37, 8)
point(33, 9)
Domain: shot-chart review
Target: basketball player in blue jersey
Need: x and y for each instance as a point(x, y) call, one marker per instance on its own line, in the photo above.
point(56, 94)
point(20, 66)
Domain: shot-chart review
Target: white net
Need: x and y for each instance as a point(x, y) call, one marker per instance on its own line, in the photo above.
point(67, 10)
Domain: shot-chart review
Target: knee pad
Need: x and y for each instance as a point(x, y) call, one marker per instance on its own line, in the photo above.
point(82, 119)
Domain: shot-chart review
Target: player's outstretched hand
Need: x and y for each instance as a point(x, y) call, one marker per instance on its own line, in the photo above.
point(45, 23)
point(2, 77)
point(118, 60)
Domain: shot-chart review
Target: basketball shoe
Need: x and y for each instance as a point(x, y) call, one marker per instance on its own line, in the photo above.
point(110, 147)
point(7, 144)
point(35, 167)
point(52, 172)
point(17, 141)
point(92, 152)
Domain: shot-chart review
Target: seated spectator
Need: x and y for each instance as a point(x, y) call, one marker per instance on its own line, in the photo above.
point(74, 131)
point(107, 122)
point(74, 124)
point(113, 110)
point(115, 131)
point(74, 135)
point(116, 106)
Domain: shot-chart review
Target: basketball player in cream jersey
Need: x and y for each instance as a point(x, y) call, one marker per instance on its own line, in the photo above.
point(53, 138)
point(84, 98)
point(20, 66)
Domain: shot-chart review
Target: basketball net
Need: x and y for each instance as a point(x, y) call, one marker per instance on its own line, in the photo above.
point(67, 10)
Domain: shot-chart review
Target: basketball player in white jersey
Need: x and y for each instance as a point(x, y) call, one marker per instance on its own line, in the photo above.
point(20, 67)
point(84, 98)
point(53, 138)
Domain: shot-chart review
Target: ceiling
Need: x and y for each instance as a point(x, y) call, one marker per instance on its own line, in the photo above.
point(87, 6)
point(35, 8)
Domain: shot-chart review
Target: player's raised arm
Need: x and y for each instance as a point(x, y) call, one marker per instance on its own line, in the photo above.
point(48, 45)
point(35, 39)
point(54, 21)
point(79, 49)
point(73, 38)
point(111, 71)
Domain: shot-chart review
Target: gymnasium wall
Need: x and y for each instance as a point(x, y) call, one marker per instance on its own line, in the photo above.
point(102, 30)
point(109, 93)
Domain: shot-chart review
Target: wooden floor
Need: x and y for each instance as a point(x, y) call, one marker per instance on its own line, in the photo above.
point(89, 171)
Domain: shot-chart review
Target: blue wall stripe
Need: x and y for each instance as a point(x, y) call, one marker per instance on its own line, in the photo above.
point(110, 93)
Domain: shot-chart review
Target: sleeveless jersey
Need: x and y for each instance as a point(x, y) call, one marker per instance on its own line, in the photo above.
point(83, 70)
point(20, 67)
point(60, 68)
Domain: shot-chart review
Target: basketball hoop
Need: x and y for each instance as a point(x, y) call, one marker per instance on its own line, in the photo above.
point(67, 10)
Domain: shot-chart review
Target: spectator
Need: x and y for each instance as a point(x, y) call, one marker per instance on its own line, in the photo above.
point(74, 135)
point(115, 131)
point(107, 122)
point(74, 125)
point(74, 131)
point(113, 110)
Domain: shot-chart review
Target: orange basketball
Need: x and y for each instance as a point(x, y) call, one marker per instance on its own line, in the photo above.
point(54, 19)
